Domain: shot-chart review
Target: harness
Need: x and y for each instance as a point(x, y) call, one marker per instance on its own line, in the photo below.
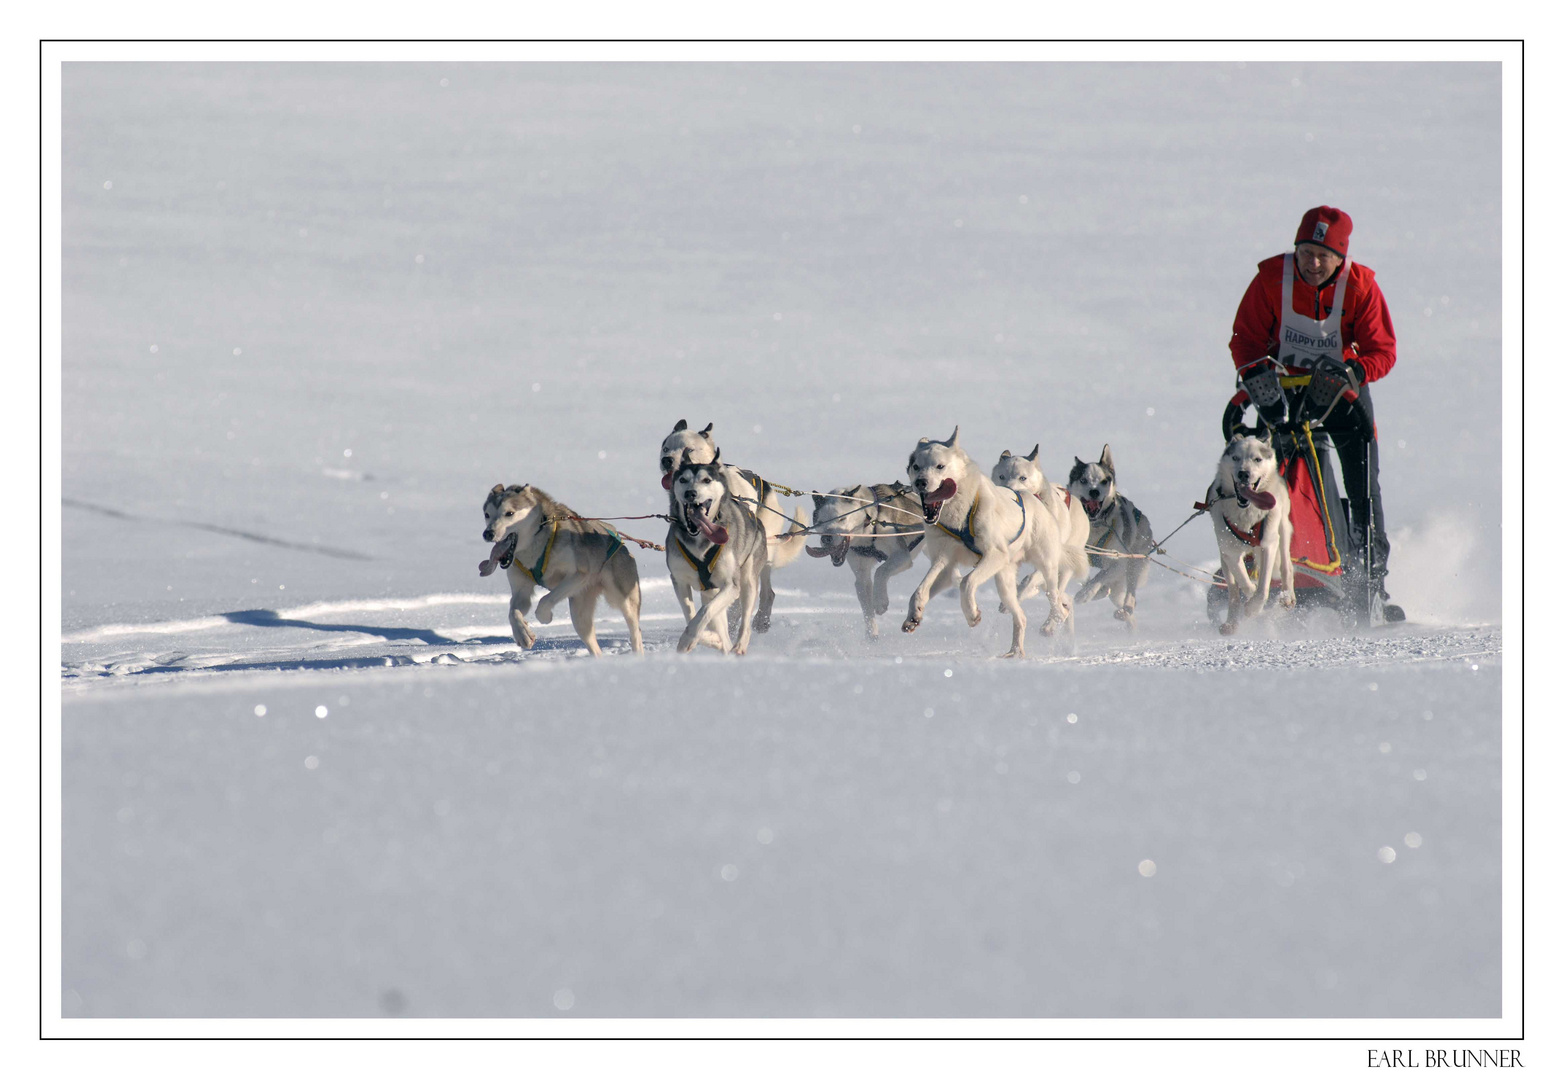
point(1252, 538)
point(965, 535)
point(869, 549)
point(762, 487)
point(535, 571)
point(1099, 561)
point(702, 567)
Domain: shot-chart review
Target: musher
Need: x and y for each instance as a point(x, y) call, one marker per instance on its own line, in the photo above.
point(1314, 309)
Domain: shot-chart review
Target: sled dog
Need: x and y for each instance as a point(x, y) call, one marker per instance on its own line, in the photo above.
point(784, 535)
point(1023, 473)
point(1117, 525)
point(876, 529)
point(971, 521)
point(716, 547)
point(537, 543)
point(1249, 511)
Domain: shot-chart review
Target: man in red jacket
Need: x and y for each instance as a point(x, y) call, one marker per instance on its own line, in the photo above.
point(1315, 311)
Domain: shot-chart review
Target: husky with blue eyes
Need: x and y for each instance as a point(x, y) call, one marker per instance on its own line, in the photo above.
point(1250, 513)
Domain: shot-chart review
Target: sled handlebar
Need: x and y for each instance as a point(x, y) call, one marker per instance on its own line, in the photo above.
point(1350, 410)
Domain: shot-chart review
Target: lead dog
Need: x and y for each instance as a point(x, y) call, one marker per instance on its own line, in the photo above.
point(715, 547)
point(971, 521)
point(784, 535)
point(1023, 473)
point(537, 543)
point(876, 529)
point(1117, 525)
point(1250, 511)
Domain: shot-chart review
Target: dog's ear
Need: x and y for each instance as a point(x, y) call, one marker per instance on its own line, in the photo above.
point(955, 437)
point(716, 461)
point(705, 433)
point(1106, 461)
point(517, 489)
point(497, 489)
point(910, 457)
point(1004, 454)
point(819, 499)
point(1033, 455)
point(1266, 438)
point(1079, 464)
point(680, 426)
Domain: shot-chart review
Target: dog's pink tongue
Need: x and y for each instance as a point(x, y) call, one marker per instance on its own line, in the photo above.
point(1263, 499)
point(818, 553)
point(668, 481)
point(489, 565)
point(715, 533)
point(946, 490)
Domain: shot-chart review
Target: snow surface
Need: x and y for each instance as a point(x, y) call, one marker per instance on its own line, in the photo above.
point(313, 312)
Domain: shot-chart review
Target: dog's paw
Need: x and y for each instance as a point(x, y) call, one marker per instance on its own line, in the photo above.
point(760, 623)
point(1287, 600)
point(883, 605)
point(910, 625)
point(1228, 629)
point(1014, 654)
point(974, 618)
point(1002, 609)
point(545, 612)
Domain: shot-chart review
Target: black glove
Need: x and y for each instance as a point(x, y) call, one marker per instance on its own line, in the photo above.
point(1265, 391)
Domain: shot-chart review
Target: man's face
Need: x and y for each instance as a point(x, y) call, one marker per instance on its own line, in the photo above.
point(1316, 264)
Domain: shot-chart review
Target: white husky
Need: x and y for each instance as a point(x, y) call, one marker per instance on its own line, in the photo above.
point(1250, 511)
point(538, 542)
point(971, 521)
point(1023, 473)
point(785, 535)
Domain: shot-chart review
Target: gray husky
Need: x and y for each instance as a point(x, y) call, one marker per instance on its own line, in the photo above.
point(716, 547)
point(537, 542)
point(876, 529)
point(784, 534)
point(1116, 526)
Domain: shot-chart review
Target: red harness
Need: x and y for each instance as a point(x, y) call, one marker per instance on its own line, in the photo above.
point(1252, 538)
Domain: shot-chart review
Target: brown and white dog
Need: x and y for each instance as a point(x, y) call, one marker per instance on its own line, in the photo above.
point(538, 544)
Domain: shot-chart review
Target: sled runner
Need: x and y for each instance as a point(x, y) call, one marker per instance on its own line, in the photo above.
point(1330, 551)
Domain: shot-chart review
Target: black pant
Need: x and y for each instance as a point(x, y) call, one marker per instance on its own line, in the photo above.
point(1357, 448)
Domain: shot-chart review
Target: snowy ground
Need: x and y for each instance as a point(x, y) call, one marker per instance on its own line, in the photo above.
point(312, 313)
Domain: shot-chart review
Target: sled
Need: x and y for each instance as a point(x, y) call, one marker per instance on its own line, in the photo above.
point(1330, 551)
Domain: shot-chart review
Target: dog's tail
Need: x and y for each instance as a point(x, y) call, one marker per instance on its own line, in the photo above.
point(791, 546)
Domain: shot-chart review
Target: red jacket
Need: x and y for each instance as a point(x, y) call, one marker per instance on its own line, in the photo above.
point(1366, 330)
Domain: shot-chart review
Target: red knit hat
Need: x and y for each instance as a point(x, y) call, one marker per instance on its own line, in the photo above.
point(1326, 226)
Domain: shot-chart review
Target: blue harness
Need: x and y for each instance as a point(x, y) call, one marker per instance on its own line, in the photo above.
point(965, 535)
